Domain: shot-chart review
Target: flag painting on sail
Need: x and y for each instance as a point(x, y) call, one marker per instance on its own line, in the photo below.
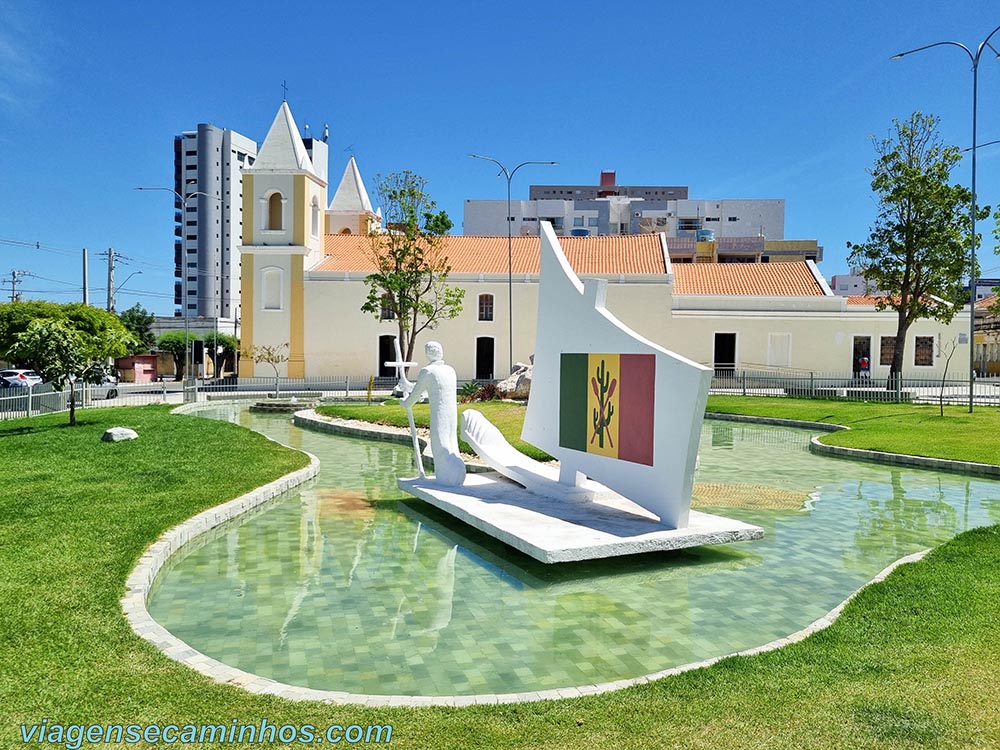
point(606, 405)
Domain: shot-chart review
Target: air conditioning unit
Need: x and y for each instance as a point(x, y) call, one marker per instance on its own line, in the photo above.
point(637, 214)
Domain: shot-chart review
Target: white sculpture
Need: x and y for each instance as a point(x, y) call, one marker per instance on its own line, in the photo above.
point(437, 380)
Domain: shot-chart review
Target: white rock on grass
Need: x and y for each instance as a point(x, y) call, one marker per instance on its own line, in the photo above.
point(117, 434)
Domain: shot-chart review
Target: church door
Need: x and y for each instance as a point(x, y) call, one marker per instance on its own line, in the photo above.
point(386, 353)
point(484, 358)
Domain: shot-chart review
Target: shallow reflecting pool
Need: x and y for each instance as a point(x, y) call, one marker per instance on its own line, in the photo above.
point(351, 585)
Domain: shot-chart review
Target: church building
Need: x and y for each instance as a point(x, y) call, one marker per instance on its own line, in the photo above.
point(304, 263)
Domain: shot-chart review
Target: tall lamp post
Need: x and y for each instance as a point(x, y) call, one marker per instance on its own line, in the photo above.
point(114, 292)
point(509, 174)
point(187, 336)
point(974, 58)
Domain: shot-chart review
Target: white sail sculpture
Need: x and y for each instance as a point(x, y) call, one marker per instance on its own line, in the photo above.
point(622, 414)
point(647, 450)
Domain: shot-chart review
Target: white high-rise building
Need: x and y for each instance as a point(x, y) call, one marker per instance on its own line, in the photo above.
point(209, 227)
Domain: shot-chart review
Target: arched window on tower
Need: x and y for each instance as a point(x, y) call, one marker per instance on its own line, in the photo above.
point(275, 212)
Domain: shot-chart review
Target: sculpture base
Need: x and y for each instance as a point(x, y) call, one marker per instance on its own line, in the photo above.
point(569, 530)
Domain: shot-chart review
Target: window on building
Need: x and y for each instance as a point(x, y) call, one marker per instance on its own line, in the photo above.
point(887, 347)
point(733, 218)
point(688, 224)
point(923, 351)
point(577, 221)
point(842, 287)
point(486, 307)
point(592, 221)
point(274, 212)
point(711, 218)
point(386, 312)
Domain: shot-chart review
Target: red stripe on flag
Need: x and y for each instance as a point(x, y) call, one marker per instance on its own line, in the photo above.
point(635, 402)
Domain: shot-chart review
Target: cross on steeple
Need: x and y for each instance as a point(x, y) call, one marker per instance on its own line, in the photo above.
point(284, 89)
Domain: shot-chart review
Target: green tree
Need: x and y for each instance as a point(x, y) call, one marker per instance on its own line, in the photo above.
point(177, 343)
point(918, 248)
point(63, 354)
point(139, 322)
point(270, 355)
point(15, 317)
point(410, 284)
point(217, 346)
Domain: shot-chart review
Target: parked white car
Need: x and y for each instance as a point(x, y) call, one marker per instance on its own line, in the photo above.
point(19, 378)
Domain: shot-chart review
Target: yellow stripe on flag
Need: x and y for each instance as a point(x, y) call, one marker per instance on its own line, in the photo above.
point(603, 390)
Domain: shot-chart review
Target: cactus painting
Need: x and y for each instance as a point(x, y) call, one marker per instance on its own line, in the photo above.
point(604, 388)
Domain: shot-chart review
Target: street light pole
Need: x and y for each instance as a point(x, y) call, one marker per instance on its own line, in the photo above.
point(114, 291)
point(974, 58)
point(510, 250)
point(187, 335)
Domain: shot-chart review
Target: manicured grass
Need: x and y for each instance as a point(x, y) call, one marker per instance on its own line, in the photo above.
point(911, 663)
point(506, 415)
point(897, 428)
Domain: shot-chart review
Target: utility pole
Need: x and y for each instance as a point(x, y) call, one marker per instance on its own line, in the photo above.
point(111, 278)
point(86, 284)
point(14, 278)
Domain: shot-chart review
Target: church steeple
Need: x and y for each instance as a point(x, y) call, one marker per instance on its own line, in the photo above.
point(283, 198)
point(350, 210)
point(283, 149)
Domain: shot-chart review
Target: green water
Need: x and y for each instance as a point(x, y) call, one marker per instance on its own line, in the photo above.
point(351, 585)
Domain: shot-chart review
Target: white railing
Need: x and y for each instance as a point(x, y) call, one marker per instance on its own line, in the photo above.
point(855, 386)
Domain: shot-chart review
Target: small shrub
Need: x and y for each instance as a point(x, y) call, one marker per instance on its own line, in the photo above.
point(468, 391)
point(487, 392)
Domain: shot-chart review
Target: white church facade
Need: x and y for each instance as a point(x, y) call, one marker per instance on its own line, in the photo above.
point(305, 262)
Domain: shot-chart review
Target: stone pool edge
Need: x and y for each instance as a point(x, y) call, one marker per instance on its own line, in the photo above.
point(146, 627)
point(968, 468)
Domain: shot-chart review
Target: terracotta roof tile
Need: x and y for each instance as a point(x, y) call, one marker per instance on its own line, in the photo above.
point(611, 255)
point(746, 279)
point(864, 299)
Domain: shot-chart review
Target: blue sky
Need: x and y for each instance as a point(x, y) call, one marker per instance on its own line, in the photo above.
point(734, 99)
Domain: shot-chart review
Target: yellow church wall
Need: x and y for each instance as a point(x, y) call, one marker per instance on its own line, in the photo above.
point(249, 205)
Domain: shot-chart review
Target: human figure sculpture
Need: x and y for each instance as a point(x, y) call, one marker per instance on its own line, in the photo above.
point(437, 380)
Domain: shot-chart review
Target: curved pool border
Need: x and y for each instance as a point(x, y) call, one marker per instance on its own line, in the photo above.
point(969, 468)
point(139, 582)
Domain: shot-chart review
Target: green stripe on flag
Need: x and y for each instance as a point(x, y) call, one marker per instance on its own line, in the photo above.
point(573, 401)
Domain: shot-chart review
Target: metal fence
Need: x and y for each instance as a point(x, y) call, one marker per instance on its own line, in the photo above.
point(854, 387)
point(43, 399)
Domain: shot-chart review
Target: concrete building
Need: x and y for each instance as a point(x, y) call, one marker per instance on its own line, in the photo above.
point(609, 208)
point(207, 232)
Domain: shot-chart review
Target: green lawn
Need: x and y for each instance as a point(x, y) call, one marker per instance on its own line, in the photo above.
point(896, 428)
point(506, 415)
point(912, 662)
